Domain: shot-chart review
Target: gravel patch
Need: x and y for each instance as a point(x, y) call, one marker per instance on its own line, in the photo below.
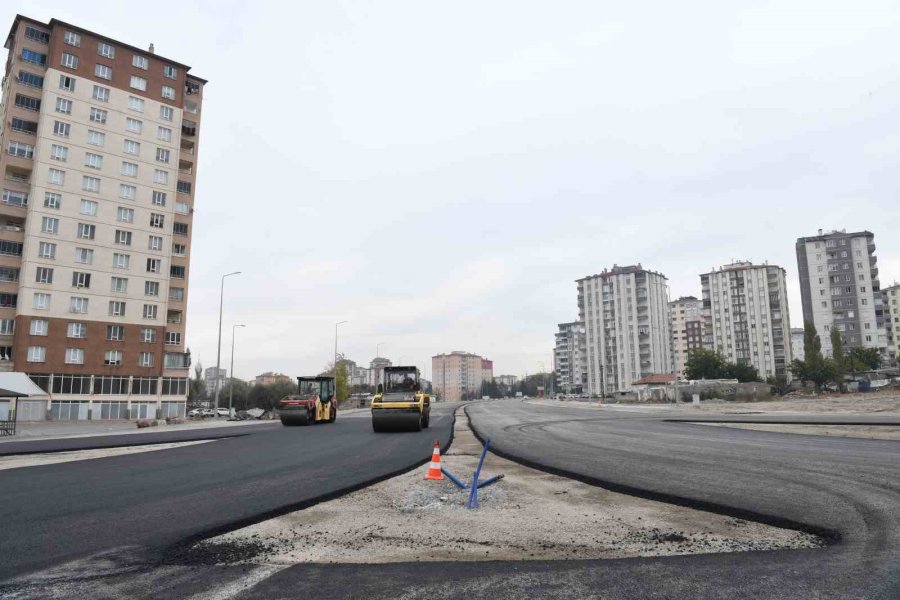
point(870, 432)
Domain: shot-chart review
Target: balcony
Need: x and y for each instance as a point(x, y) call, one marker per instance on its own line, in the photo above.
point(177, 360)
point(188, 128)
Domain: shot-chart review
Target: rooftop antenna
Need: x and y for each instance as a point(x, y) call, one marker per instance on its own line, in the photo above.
point(151, 48)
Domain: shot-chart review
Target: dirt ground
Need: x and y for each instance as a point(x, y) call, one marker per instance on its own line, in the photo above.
point(528, 515)
point(854, 431)
point(50, 458)
point(875, 402)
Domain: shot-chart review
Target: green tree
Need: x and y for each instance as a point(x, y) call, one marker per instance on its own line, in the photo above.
point(814, 367)
point(342, 381)
point(742, 372)
point(236, 389)
point(840, 361)
point(779, 384)
point(197, 387)
point(703, 363)
point(865, 359)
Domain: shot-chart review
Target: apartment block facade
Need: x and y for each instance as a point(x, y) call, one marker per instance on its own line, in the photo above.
point(745, 313)
point(686, 320)
point(626, 320)
point(891, 297)
point(840, 290)
point(99, 150)
point(567, 359)
point(459, 375)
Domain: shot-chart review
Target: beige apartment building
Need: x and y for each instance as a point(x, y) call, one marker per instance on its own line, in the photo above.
point(459, 375)
point(891, 296)
point(270, 378)
point(686, 321)
point(99, 153)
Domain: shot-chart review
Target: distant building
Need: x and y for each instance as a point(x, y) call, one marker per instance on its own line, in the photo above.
point(567, 357)
point(745, 314)
point(209, 375)
point(625, 312)
point(376, 370)
point(507, 380)
point(686, 319)
point(798, 343)
point(459, 375)
point(269, 378)
point(891, 296)
point(840, 290)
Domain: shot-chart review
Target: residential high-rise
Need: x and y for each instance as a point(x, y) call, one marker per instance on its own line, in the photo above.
point(745, 313)
point(376, 370)
point(459, 375)
point(99, 152)
point(625, 313)
point(840, 289)
point(567, 357)
point(270, 378)
point(686, 321)
point(798, 343)
point(891, 296)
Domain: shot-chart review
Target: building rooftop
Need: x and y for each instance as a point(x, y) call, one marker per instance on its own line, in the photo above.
point(657, 378)
point(739, 265)
point(822, 236)
point(625, 270)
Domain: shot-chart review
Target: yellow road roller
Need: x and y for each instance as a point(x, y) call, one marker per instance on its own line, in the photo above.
point(399, 403)
point(315, 402)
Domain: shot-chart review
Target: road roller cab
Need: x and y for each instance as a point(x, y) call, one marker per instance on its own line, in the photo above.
point(399, 403)
point(315, 402)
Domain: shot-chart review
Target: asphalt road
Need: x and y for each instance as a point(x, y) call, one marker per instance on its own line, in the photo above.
point(63, 512)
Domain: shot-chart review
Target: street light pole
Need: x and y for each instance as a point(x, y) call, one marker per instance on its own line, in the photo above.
point(334, 369)
point(219, 346)
point(231, 386)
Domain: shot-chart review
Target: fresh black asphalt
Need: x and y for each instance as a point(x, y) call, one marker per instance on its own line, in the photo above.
point(67, 511)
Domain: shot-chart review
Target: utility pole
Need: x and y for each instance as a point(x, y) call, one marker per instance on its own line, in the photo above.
point(219, 346)
point(231, 383)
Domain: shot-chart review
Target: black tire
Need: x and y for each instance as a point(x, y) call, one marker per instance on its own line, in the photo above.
point(332, 415)
point(310, 416)
point(418, 426)
point(426, 421)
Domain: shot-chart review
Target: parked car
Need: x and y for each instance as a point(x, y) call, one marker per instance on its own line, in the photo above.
point(223, 412)
point(195, 412)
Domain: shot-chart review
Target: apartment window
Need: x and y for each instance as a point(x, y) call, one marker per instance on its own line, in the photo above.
point(119, 284)
point(12, 198)
point(156, 242)
point(50, 225)
point(188, 127)
point(140, 62)
point(176, 294)
point(121, 261)
point(150, 311)
point(74, 356)
point(157, 220)
point(61, 129)
point(180, 229)
point(136, 104)
point(162, 155)
point(70, 61)
point(177, 272)
point(98, 115)
point(182, 208)
point(76, 331)
point(41, 301)
point(184, 187)
point(64, 106)
point(160, 176)
point(125, 215)
point(106, 50)
point(67, 83)
point(173, 338)
point(154, 265)
point(9, 274)
point(151, 288)
point(862, 288)
point(9, 300)
point(112, 358)
point(37, 35)
point(96, 138)
point(89, 207)
point(27, 102)
point(148, 335)
point(159, 198)
point(179, 249)
point(81, 280)
point(43, 275)
point(47, 250)
point(56, 177)
point(84, 256)
point(60, 153)
point(39, 327)
point(34, 57)
point(123, 237)
point(133, 125)
point(78, 304)
point(37, 354)
point(168, 92)
point(145, 359)
point(93, 161)
point(166, 113)
point(116, 308)
point(72, 38)
point(7, 327)
point(17, 124)
point(131, 147)
point(164, 134)
point(86, 231)
point(170, 72)
point(115, 333)
point(128, 192)
point(19, 149)
point(129, 169)
point(103, 71)
point(139, 83)
point(90, 184)
point(100, 93)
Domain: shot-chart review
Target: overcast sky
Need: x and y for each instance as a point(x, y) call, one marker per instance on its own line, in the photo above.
point(439, 174)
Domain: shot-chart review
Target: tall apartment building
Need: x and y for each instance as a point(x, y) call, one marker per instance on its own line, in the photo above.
point(459, 375)
point(376, 370)
point(507, 380)
point(99, 151)
point(840, 289)
point(270, 378)
point(745, 313)
point(567, 357)
point(686, 321)
point(891, 296)
point(625, 314)
point(798, 343)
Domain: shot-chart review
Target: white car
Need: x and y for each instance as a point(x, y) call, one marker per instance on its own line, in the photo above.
point(224, 412)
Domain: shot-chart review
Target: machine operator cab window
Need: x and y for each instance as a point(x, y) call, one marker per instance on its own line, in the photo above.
point(324, 389)
point(401, 382)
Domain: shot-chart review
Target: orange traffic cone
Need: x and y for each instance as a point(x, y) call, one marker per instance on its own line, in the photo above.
point(434, 469)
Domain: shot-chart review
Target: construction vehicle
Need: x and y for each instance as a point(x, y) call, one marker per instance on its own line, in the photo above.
point(315, 402)
point(399, 403)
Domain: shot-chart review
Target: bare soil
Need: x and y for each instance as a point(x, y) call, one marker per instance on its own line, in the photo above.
point(855, 431)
